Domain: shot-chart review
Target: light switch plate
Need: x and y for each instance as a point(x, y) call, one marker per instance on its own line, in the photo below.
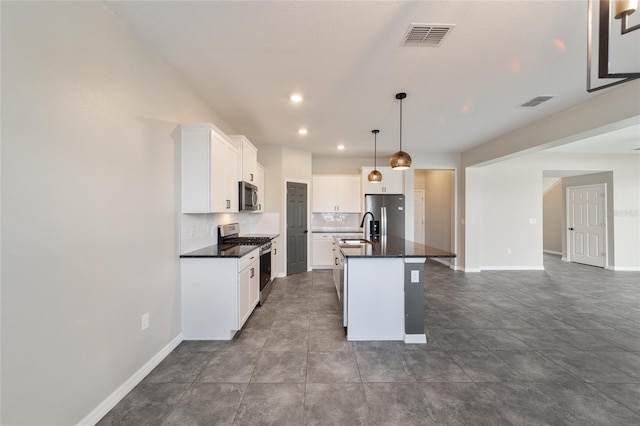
point(144, 322)
point(415, 276)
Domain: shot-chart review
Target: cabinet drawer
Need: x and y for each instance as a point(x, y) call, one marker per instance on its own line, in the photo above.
point(246, 260)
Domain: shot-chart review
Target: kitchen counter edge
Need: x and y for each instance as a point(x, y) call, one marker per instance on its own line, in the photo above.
point(394, 247)
point(235, 252)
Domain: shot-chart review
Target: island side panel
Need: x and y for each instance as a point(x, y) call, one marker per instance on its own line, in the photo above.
point(375, 303)
point(414, 300)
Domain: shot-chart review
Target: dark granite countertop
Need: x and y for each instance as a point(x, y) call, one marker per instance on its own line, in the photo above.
point(236, 251)
point(337, 231)
point(215, 251)
point(272, 236)
point(393, 247)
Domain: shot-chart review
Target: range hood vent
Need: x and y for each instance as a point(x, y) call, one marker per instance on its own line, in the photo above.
point(428, 35)
point(536, 101)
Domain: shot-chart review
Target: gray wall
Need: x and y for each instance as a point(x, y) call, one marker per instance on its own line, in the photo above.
point(90, 199)
point(439, 206)
point(552, 219)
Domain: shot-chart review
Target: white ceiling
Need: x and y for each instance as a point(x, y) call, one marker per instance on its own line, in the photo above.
point(246, 57)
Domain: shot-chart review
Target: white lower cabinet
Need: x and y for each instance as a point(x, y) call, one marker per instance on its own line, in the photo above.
point(323, 256)
point(248, 286)
point(218, 295)
point(322, 250)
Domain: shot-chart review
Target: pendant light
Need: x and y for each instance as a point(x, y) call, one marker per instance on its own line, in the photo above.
point(400, 160)
point(375, 176)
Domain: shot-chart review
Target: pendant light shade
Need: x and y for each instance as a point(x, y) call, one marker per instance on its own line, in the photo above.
point(375, 176)
point(400, 160)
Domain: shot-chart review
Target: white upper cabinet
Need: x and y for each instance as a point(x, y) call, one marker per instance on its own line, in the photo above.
point(209, 170)
point(260, 184)
point(247, 159)
point(337, 193)
point(392, 181)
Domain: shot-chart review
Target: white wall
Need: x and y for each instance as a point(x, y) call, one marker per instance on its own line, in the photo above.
point(504, 196)
point(605, 111)
point(511, 197)
point(90, 196)
point(341, 166)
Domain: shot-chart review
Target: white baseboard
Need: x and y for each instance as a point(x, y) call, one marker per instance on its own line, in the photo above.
point(564, 259)
point(112, 400)
point(443, 261)
point(559, 253)
point(626, 268)
point(415, 338)
point(463, 269)
point(512, 268)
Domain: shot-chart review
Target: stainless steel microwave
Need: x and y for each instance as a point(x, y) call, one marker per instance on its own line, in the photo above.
point(248, 196)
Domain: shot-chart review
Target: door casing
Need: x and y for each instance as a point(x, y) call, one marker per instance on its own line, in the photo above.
point(285, 249)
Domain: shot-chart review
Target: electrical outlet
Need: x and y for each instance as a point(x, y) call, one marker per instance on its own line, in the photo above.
point(415, 276)
point(144, 322)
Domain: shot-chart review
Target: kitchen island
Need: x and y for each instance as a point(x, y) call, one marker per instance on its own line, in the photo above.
point(382, 288)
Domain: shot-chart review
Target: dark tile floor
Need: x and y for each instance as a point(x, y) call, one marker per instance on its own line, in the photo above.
point(560, 346)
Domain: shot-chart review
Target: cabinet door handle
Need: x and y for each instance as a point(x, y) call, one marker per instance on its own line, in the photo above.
point(252, 273)
point(251, 174)
point(275, 251)
point(335, 261)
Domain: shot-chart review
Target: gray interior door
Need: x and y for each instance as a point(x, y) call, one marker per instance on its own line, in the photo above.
point(296, 228)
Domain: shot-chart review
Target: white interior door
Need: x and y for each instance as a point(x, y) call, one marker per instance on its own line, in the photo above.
point(418, 216)
point(587, 225)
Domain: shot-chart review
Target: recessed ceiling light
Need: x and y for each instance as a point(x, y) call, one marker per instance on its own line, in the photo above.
point(341, 147)
point(303, 131)
point(296, 98)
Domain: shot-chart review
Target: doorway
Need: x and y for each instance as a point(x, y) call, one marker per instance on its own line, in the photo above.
point(437, 187)
point(586, 230)
point(418, 216)
point(297, 230)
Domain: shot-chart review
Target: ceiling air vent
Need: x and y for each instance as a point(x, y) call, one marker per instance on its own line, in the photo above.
point(430, 35)
point(536, 101)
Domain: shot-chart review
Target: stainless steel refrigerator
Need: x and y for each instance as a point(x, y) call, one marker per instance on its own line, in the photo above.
point(389, 210)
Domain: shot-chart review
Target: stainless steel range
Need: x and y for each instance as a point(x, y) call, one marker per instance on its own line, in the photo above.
point(229, 236)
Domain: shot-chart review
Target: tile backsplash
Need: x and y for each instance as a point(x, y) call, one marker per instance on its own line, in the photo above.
point(201, 230)
point(335, 222)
